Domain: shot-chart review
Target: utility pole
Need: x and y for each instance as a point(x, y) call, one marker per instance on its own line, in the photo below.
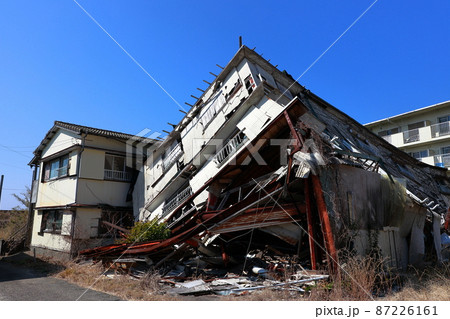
point(1, 186)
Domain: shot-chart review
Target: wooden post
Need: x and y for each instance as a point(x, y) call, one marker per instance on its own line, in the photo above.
point(325, 223)
point(1, 186)
point(312, 247)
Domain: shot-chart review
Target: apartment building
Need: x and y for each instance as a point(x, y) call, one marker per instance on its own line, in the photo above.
point(423, 133)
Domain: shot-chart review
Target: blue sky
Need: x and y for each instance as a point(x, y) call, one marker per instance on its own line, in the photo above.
point(57, 64)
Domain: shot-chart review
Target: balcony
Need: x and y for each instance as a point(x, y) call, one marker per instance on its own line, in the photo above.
point(230, 148)
point(442, 160)
point(117, 175)
point(411, 136)
point(440, 129)
point(177, 200)
point(420, 135)
point(172, 157)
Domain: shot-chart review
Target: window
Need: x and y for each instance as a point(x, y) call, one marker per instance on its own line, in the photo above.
point(389, 132)
point(444, 125)
point(56, 168)
point(419, 154)
point(51, 221)
point(444, 119)
point(116, 169)
point(250, 83)
point(445, 150)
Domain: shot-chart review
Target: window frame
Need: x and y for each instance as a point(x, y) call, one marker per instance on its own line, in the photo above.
point(443, 150)
point(389, 132)
point(420, 154)
point(61, 169)
point(447, 119)
point(125, 169)
point(52, 221)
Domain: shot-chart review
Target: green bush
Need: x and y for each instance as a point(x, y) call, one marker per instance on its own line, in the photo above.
point(148, 231)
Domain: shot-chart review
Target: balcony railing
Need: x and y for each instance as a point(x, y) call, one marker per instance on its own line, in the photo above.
point(177, 200)
point(173, 156)
point(117, 175)
point(411, 136)
point(440, 129)
point(442, 160)
point(230, 148)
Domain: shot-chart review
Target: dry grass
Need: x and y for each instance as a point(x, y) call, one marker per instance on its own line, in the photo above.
point(122, 285)
point(361, 280)
point(15, 221)
point(429, 284)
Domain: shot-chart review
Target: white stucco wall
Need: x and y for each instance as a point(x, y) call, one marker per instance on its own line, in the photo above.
point(57, 192)
point(61, 141)
point(57, 242)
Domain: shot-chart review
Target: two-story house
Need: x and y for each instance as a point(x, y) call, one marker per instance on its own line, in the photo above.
point(82, 188)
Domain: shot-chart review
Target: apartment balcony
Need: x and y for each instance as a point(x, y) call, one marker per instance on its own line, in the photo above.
point(420, 135)
point(442, 160)
point(440, 129)
point(411, 136)
point(230, 148)
point(172, 157)
point(179, 199)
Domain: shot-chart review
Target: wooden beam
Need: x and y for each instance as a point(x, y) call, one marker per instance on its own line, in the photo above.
point(126, 231)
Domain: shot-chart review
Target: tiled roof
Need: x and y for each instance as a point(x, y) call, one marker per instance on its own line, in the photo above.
point(79, 129)
point(92, 130)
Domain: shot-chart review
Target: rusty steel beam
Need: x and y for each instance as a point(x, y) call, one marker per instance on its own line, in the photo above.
point(325, 224)
point(295, 134)
point(312, 247)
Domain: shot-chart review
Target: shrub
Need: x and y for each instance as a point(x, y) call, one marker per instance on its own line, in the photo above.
point(148, 231)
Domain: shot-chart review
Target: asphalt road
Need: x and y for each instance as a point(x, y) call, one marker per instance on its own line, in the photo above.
point(22, 284)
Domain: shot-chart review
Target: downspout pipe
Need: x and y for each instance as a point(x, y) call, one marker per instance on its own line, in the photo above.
point(74, 212)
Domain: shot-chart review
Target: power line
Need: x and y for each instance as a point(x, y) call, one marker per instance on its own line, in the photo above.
point(12, 150)
point(129, 55)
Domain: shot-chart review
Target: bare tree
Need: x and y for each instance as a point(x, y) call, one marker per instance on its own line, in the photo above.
point(23, 198)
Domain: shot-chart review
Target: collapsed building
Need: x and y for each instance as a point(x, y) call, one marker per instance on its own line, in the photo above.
point(261, 163)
